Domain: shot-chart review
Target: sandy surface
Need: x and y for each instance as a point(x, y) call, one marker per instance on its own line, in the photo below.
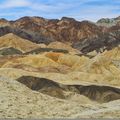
point(18, 101)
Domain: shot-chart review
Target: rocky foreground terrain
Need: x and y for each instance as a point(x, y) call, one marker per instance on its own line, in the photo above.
point(59, 68)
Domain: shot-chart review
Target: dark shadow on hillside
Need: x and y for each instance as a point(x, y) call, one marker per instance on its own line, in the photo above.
point(40, 50)
point(10, 51)
point(94, 92)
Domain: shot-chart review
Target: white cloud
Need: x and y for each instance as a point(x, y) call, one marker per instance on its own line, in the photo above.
point(95, 12)
point(51, 8)
point(57, 9)
point(14, 3)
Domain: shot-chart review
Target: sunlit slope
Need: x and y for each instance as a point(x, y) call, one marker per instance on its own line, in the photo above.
point(11, 40)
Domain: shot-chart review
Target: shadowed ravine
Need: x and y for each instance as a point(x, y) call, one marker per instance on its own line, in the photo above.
point(94, 92)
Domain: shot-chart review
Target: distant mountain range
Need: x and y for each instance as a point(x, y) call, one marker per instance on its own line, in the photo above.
point(85, 36)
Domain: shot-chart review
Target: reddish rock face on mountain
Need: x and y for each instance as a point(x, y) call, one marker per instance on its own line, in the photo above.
point(81, 35)
point(65, 30)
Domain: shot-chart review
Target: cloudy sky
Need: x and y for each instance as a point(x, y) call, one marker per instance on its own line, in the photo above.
point(78, 9)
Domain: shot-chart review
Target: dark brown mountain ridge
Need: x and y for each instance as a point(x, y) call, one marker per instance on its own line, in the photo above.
point(85, 36)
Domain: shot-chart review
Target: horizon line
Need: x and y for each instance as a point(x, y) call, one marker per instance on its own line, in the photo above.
point(80, 20)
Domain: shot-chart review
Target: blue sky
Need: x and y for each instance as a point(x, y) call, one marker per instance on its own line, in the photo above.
point(55, 9)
